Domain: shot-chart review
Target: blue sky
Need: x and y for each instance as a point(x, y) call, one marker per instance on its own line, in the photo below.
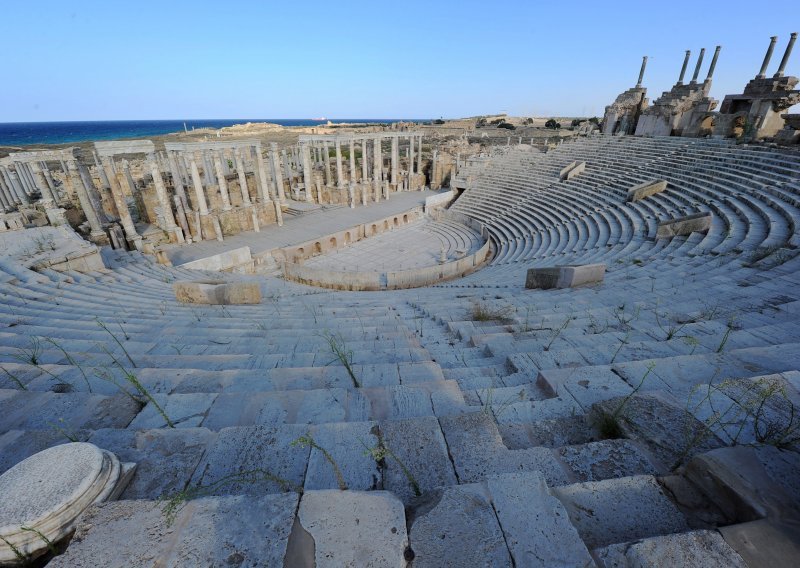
point(103, 60)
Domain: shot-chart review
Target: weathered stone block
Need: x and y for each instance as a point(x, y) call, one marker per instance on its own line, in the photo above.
point(646, 189)
point(572, 170)
point(683, 226)
point(568, 276)
point(212, 292)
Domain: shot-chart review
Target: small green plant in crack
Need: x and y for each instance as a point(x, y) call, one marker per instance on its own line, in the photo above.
point(118, 342)
point(172, 504)
point(672, 330)
point(730, 326)
point(71, 360)
point(338, 347)
point(31, 355)
point(47, 542)
point(622, 343)
point(379, 453)
point(144, 395)
point(15, 379)
point(22, 558)
point(59, 427)
point(608, 423)
point(557, 333)
point(308, 441)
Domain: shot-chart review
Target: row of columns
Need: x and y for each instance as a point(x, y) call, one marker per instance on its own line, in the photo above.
point(378, 175)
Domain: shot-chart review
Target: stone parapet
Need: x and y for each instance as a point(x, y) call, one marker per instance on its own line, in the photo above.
point(682, 226)
point(646, 189)
point(568, 276)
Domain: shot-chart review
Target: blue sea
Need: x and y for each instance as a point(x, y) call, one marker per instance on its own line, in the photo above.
point(26, 133)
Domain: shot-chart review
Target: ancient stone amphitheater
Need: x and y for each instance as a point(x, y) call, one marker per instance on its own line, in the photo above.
point(648, 419)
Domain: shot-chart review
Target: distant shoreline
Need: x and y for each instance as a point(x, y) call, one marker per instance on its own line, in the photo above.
point(67, 132)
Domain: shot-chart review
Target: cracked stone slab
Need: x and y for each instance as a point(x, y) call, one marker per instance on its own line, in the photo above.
point(586, 385)
point(607, 459)
point(354, 528)
point(251, 460)
point(478, 451)
point(419, 446)
point(347, 444)
point(697, 548)
point(536, 525)
point(183, 410)
point(165, 458)
point(548, 433)
point(620, 510)
point(69, 411)
point(456, 526)
point(244, 531)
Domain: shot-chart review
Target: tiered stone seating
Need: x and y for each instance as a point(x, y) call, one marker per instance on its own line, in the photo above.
point(477, 394)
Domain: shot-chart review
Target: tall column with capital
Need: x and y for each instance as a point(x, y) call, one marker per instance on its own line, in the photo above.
point(177, 178)
point(326, 156)
point(197, 182)
point(410, 160)
point(641, 72)
point(237, 154)
point(73, 177)
point(364, 161)
point(763, 71)
point(685, 64)
point(117, 180)
point(308, 172)
point(276, 172)
point(713, 63)
point(786, 54)
point(377, 166)
point(434, 180)
point(223, 183)
point(339, 172)
point(163, 200)
point(41, 182)
point(395, 160)
point(352, 160)
point(699, 64)
point(262, 185)
point(419, 155)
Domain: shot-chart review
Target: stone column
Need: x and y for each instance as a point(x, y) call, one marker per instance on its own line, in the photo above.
point(308, 172)
point(327, 158)
point(177, 178)
point(242, 177)
point(77, 182)
point(352, 160)
point(395, 160)
point(713, 63)
point(163, 200)
point(276, 172)
point(434, 180)
point(117, 180)
point(410, 159)
point(94, 196)
point(685, 64)
point(264, 193)
point(697, 67)
point(223, 184)
point(786, 54)
point(287, 170)
point(208, 170)
point(364, 161)
point(419, 155)
point(197, 182)
point(15, 182)
point(641, 72)
point(25, 177)
point(5, 198)
point(377, 167)
point(48, 178)
point(41, 182)
point(763, 72)
point(339, 172)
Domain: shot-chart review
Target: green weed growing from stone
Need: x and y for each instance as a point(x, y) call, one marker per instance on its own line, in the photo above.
point(15, 379)
point(557, 332)
point(379, 453)
point(308, 441)
point(342, 353)
point(608, 423)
